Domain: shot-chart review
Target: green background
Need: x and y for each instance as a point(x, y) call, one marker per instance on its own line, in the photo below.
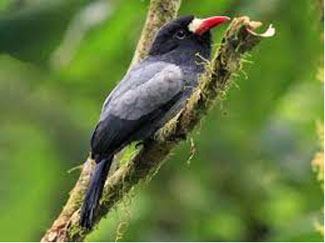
point(250, 178)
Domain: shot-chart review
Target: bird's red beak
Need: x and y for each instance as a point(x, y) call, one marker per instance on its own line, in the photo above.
point(203, 25)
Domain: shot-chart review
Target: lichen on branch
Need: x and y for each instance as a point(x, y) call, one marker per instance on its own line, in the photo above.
point(239, 38)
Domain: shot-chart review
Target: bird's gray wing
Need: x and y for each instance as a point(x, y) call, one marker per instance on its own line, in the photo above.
point(135, 109)
point(138, 75)
point(145, 98)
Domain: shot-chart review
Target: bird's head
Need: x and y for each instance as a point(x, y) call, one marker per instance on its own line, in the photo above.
point(184, 34)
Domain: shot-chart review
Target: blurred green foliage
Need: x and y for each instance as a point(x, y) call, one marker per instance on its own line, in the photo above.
point(250, 179)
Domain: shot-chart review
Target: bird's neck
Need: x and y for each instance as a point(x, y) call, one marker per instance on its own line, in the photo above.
point(186, 57)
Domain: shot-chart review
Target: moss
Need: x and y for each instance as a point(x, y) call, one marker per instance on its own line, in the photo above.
point(129, 153)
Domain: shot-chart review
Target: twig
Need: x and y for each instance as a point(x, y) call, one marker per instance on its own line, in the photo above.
point(238, 39)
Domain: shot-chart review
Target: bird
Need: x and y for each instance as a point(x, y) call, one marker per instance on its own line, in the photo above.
point(148, 96)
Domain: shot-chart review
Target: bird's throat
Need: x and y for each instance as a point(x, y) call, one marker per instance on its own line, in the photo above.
point(187, 56)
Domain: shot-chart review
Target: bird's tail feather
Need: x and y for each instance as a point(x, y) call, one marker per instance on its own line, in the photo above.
point(94, 192)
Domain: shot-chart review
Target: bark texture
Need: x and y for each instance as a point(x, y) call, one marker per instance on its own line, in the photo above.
point(238, 39)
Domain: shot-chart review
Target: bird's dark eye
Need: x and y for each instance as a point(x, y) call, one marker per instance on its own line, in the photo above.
point(180, 34)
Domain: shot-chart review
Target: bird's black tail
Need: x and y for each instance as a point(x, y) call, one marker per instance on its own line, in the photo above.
point(94, 192)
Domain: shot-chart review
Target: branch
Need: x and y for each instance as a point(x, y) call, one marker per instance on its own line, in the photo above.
point(160, 12)
point(238, 39)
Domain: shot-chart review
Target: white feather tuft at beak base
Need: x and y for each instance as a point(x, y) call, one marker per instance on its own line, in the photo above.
point(195, 24)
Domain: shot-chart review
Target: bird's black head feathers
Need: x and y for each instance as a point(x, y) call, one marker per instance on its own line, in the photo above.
point(175, 38)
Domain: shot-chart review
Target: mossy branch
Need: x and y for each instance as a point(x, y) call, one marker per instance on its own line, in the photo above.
point(238, 39)
point(160, 12)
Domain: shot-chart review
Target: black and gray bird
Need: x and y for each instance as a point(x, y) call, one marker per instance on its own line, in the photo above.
point(150, 94)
